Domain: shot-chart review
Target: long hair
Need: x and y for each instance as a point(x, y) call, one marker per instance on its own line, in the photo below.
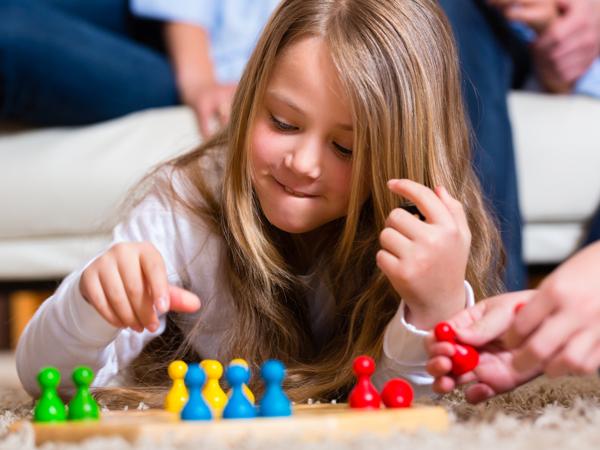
point(398, 65)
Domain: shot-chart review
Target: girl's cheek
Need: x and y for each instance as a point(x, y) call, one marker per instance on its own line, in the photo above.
point(265, 141)
point(344, 179)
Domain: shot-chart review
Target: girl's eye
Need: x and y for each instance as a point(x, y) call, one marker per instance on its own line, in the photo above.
point(345, 152)
point(282, 125)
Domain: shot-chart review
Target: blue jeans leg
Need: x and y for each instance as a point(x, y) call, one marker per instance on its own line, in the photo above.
point(57, 68)
point(487, 71)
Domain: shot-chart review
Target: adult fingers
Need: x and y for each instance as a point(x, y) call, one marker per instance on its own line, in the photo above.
point(224, 108)
point(592, 362)
point(530, 317)
point(206, 110)
point(424, 198)
point(571, 67)
point(573, 357)
point(545, 341)
point(493, 317)
point(557, 32)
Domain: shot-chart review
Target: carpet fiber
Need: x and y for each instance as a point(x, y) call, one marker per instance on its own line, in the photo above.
point(545, 414)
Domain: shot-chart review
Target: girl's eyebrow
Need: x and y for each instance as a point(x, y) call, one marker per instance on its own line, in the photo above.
point(285, 100)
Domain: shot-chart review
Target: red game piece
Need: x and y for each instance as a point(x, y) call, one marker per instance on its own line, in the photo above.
point(444, 332)
point(364, 395)
point(464, 360)
point(518, 307)
point(465, 357)
point(397, 393)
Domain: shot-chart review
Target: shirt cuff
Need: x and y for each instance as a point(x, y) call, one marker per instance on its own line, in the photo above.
point(403, 342)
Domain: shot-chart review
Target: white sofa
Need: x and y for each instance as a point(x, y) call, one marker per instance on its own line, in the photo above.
point(60, 188)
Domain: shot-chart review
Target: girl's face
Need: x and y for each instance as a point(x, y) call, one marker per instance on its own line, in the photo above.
point(301, 145)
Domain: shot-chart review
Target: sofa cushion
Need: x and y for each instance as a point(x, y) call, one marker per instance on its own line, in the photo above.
point(64, 182)
point(557, 144)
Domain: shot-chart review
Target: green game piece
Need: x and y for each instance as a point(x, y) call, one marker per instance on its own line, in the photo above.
point(83, 406)
point(49, 407)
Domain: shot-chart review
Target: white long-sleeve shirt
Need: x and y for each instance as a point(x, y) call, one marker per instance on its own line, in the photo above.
point(67, 331)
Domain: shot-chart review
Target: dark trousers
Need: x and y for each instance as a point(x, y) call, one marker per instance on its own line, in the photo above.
point(70, 62)
point(492, 59)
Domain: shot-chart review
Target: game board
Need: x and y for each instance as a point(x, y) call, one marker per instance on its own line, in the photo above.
point(308, 423)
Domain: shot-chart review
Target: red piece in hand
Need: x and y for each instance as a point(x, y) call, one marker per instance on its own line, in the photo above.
point(397, 393)
point(464, 360)
point(364, 395)
point(518, 307)
point(465, 357)
point(444, 332)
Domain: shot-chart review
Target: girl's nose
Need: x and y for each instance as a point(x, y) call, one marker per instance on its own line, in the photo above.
point(305, 160)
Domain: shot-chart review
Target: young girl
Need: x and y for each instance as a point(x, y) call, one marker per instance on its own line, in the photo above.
point(283, 237)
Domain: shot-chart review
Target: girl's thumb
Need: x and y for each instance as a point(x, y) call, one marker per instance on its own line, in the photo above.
point(182, 300)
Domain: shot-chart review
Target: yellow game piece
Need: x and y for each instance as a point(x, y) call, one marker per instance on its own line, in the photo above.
point(245, 389)
point(212, 392)
point(178, 394)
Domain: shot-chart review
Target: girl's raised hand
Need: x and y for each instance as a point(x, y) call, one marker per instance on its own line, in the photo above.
point(426, 261)
point(481, 326)
point(128, 286)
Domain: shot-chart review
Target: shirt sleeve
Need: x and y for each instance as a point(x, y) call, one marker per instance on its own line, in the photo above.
point(66, 331)
point(589, 82)
point(204, 13)
point(404, 352)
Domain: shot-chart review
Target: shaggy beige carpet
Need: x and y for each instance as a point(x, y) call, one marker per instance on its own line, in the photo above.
point(545, 414)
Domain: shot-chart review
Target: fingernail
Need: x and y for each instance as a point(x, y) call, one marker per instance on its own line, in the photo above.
point(153, 327)
point(162, 304)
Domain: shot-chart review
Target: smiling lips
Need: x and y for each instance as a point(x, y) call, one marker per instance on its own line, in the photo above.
point(290, 191)
point(293, 192)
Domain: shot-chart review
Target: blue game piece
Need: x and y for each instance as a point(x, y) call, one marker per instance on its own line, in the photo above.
point(274, 403)
point(196, 408)
point(238, 406)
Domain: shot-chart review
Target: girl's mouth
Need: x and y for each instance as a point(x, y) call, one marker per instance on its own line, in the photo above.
point(291, 191)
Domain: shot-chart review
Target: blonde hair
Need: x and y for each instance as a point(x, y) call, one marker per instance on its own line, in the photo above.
point(397, 63)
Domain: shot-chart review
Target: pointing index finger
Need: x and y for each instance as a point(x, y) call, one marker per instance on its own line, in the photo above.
point(155, 275)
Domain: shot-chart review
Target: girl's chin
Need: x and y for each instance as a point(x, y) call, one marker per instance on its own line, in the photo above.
point(292, 228)
point(286, 222)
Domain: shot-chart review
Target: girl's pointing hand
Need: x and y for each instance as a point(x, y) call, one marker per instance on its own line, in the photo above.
point(128, 287)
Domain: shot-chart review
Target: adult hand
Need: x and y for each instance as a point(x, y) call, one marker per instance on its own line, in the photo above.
point(482, 327)
point(212, 105)
point(567, 48)
point(537, 14)
point(559, 329)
